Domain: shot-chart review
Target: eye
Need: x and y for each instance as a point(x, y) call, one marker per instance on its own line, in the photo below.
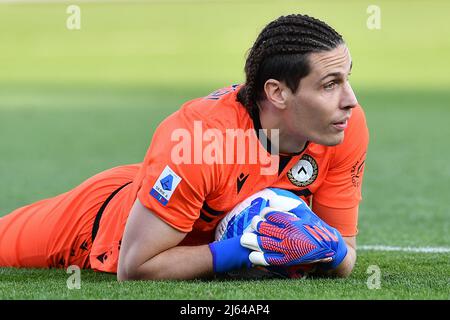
point(330, 85)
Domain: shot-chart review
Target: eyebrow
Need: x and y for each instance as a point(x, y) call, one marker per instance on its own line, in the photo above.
point(336, 74)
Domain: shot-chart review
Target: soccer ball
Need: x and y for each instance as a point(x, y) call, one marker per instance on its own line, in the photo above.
point(238, 221)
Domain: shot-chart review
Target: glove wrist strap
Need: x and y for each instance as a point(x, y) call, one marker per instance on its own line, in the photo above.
point(229, 255)
point(339, 256)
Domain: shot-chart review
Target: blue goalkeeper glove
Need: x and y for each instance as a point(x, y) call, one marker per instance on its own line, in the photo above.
point(229, 254)
point(329, 235)
point(284, 239)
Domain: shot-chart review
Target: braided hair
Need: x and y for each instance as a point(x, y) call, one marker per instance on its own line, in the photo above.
point(280, 52)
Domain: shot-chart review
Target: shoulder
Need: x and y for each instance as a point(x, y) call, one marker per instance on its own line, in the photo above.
point(356, 138)
point(357, 131)
point(358, 117)
point(356, 124)
point(219, 109)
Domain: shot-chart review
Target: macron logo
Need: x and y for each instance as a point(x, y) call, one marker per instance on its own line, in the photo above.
point(240, 181)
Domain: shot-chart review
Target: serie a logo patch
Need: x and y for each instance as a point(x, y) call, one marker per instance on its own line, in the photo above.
point(165, 185)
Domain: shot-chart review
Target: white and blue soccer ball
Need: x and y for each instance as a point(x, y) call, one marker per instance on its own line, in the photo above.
point(238, 221)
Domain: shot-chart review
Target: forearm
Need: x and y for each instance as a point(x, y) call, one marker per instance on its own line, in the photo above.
point(150, 250)
point(181, 263)
point(345, 267)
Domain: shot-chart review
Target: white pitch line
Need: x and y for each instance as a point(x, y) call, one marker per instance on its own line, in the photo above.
point(404, 249)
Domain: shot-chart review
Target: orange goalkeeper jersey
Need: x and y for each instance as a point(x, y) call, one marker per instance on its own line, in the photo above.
point(192, 173)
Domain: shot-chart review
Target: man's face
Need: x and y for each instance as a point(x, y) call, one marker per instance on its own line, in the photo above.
point(320, 108)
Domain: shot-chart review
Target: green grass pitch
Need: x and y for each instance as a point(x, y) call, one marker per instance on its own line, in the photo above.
point(73, 103)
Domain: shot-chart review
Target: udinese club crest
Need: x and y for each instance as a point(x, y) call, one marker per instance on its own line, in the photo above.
point(304, 172)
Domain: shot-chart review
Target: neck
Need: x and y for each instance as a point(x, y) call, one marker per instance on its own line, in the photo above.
point(272, 119)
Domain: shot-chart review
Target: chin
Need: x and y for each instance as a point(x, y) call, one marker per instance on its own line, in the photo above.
point(331, 141)
point(338, 140)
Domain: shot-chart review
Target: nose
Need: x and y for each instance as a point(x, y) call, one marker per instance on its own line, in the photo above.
point(348, 98)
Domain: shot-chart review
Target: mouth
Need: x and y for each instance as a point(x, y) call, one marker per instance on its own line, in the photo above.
point(340, 125)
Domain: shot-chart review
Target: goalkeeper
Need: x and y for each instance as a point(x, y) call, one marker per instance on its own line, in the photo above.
point(156, 219)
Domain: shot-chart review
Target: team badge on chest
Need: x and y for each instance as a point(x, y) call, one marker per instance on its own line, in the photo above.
point(304, 172)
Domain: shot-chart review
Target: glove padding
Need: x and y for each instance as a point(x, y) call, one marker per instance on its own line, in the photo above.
point(330, 235)
point(283, 238)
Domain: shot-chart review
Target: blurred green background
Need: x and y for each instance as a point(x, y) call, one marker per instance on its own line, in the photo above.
point(75, 102)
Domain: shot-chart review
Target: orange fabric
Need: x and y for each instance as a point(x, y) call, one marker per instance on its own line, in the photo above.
point(341, 187)
point(56, 232)
point(345, 220)
point(337, 185)
point(200, 193)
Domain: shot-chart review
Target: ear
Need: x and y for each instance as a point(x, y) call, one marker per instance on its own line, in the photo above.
point(276, 93)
